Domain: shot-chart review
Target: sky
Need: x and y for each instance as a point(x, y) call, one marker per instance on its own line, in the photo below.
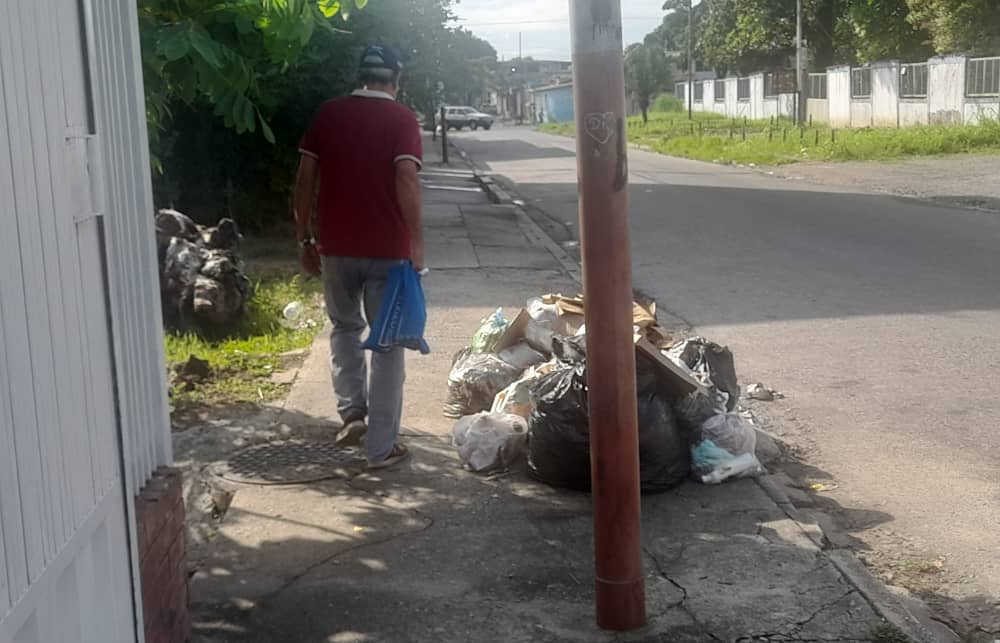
point(544, 24)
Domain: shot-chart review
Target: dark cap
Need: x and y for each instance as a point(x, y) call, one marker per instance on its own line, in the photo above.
point(381, 57)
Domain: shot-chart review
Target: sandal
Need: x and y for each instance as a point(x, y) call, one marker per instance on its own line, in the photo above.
point(398, 454)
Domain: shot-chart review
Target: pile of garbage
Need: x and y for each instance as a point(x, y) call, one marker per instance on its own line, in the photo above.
point(521, 387)
point(202, 284)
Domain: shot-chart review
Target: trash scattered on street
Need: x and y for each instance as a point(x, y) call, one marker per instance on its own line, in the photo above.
point(474, 382)
point(202, 283)
point(521, 355)
point(725, 448)
point(522, 385)
point(760, 392)
point(821, 487)
point(293, 311)
point(489, 332)
point(712, 365)
point(488, 441)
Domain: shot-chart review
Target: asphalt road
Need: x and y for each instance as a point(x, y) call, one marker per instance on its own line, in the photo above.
point(877, 316)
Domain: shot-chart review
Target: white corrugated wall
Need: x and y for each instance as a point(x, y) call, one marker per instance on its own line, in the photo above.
point(83, 412)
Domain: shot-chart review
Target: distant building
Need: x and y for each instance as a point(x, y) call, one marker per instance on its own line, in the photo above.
point(515, 80)
point(554, 104)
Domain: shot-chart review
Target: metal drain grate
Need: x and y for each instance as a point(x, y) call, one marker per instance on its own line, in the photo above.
point(290, 462)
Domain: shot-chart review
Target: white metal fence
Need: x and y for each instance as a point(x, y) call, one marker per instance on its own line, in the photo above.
point(983, 77)
point(942, 90)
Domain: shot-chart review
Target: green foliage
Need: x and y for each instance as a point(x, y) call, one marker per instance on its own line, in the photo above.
point(784, 144)
point(968, 26)
point(209, 169)
point(745, 36)
point(668, 103)
point(646, 73)
point(882, 31)
point(223, 52)
point(242, 362)
point(713, 137)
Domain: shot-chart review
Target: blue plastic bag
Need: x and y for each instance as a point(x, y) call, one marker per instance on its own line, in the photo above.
point(403, 314)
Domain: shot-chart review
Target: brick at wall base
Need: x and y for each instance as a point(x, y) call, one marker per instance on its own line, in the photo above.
point(162, 558)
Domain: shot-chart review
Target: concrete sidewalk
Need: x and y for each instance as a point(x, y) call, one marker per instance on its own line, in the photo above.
point(430, 552)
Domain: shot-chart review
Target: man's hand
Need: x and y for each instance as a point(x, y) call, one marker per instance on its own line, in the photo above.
point(417, 254)
point(309, 258)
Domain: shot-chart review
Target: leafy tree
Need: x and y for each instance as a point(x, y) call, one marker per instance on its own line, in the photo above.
point(959, 26)
point(225, 52)
point(646, 74)
point(210, 166)
point(882, 30)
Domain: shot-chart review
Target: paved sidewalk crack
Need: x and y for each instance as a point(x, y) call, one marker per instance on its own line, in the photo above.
point(662, 572)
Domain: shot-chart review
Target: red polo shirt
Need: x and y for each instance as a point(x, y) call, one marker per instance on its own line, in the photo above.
point(358, 140)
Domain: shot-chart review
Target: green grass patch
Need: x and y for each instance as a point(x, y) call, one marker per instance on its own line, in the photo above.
point(712, 137)
point(243, 358)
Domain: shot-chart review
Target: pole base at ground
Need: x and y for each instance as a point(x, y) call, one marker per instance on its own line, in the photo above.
point(622, 606)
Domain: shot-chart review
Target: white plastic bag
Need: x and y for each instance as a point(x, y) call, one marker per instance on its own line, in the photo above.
point(488, 441)
point(725, 448)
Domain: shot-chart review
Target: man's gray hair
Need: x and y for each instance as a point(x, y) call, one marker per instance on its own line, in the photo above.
point(378, 76)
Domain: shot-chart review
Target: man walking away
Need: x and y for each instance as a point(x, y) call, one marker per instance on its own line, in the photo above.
point(365, 152)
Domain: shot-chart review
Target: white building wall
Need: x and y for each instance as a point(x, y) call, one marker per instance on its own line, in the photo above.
point(946, 89)
point(756, 97)
point(913, 112)
point(818, 110)
point(946, 101)
point(731, 104)
point(83, 414)
point(838, 87)
point(978, 110)
point(861, 113)
point(885, 94)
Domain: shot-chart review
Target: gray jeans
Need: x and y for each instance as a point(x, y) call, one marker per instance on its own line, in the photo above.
point(350, 283)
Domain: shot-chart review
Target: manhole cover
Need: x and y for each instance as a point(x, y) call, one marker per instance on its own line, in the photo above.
point(290, 462)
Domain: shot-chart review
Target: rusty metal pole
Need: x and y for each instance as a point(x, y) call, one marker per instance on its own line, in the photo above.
point(599, 94)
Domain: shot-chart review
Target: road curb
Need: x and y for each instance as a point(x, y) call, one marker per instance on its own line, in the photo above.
point(909, 616)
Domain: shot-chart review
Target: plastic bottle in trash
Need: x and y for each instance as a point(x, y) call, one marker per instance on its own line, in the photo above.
point(292, 311)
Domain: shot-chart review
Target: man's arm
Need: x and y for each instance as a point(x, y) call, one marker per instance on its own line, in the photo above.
point(411, 205)
point(305, 195)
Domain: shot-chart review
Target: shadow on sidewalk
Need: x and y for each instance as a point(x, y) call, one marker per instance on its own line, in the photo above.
point(429, 552)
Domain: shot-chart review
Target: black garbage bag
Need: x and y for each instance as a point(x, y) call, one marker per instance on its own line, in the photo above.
point(559, 435)
point(664, 454)
point(712, 364)
point(692, 411)
point(571, 350)
point(558, 430)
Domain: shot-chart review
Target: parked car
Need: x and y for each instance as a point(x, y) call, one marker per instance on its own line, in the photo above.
point(459, 117)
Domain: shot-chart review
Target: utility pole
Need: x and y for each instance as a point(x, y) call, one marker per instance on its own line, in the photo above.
point(522, 93)
point(602, 170)
point(690, 61)
point(800, 72)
